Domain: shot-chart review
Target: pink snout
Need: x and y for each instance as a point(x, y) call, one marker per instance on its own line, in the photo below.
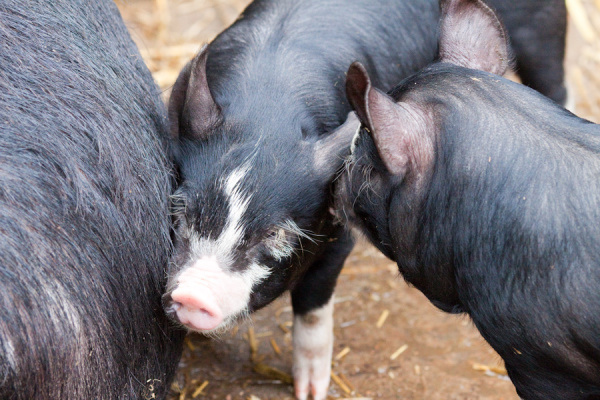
point(195, 309)
point(205, 296)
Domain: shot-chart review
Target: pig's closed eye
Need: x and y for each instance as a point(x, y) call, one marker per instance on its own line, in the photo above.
point(278, 244)
point(276, 237)
point(277, 233)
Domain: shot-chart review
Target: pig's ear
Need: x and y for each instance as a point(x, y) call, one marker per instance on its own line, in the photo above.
point(192, 109)
point(330, 151)
point(358, 85)
point(401, 132)
point(472, 36)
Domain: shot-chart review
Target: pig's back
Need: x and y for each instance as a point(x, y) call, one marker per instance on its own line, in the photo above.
point(297, 52)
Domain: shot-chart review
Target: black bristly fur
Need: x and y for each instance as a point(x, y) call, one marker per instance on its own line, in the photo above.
point(84, 225)
point(506, 228)
point(538, 31)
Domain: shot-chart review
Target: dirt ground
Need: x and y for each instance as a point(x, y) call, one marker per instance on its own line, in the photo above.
point(439, 360)
point(390, 342)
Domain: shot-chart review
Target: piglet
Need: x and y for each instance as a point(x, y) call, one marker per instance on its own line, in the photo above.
point(487, 196)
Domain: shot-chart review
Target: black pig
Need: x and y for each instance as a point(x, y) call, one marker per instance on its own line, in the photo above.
point(84, 223)
point(486, 194)
point(250, 116)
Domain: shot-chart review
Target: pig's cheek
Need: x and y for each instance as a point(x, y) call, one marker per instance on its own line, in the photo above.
point(313, 347)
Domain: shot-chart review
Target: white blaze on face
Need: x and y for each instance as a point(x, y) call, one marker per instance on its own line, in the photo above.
point(238, 204)
point(313, 348)
point(208, 292)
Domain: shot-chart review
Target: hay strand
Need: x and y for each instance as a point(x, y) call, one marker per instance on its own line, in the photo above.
point(199, 389)
point(272, 373)
point(275, 346)
point(382, 318)
point(400, 350)
point(340, 383)
point(342, 353)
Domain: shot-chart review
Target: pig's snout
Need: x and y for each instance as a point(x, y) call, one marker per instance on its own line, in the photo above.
point(197, 311)
point(205, 297)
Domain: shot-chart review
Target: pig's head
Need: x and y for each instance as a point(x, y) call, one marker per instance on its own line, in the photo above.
point(250, 209)
point(400, 145)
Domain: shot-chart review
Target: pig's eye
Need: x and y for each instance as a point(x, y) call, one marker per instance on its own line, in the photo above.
point(276, 237)
point(276, 234)
point(278, 244)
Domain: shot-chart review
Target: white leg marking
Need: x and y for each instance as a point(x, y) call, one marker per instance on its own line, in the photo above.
point(313, 348)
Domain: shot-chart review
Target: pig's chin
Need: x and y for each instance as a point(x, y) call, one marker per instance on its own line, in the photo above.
point(224, 327)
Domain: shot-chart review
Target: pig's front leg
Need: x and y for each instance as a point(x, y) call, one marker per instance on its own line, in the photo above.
point(312, 301)
point(313, 346)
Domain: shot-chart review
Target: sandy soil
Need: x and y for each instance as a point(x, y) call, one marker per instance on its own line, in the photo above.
point(443, 356)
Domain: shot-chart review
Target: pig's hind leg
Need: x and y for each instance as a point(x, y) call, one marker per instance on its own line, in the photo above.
point(312, 301)
point(537, 31)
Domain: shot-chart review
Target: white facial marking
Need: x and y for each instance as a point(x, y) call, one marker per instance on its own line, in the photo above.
point(208, 295)
point(238, 204)
point(208, 299)
point(313, 348)
point(279, 246)
point(254, 274)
